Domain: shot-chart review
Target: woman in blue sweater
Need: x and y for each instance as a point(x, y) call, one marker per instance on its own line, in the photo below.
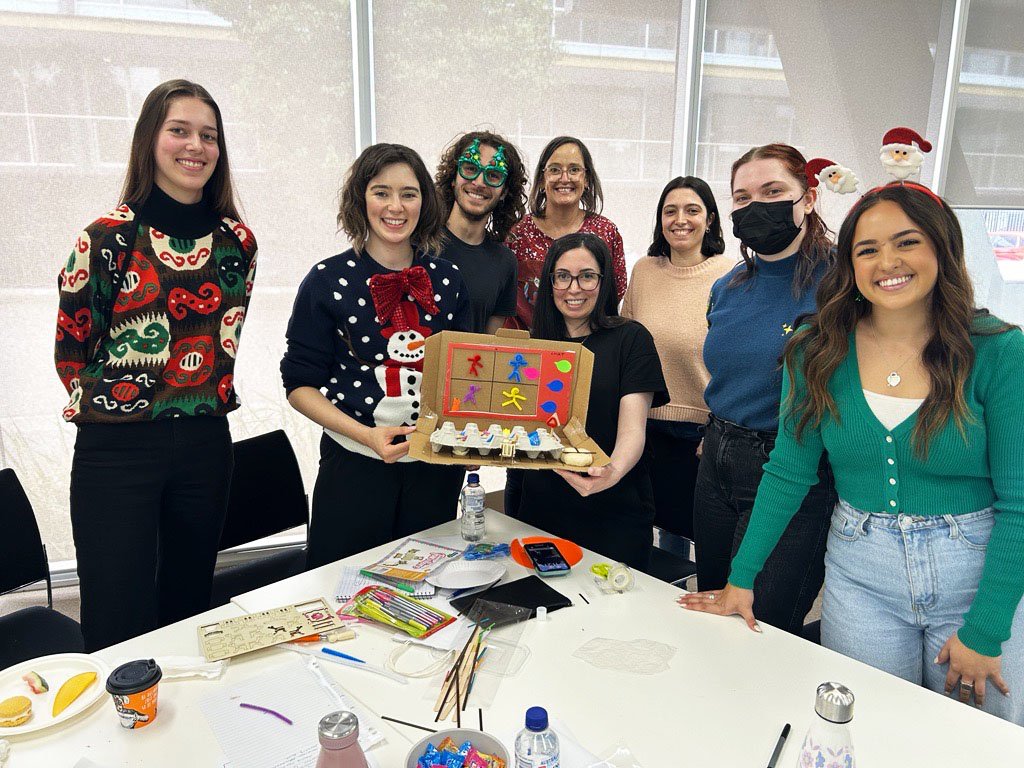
point(354, 360)
point(751, 313)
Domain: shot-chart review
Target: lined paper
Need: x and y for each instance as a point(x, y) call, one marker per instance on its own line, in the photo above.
point(297, 690)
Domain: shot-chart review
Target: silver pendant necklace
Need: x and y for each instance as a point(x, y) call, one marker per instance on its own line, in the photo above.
point(893, 379)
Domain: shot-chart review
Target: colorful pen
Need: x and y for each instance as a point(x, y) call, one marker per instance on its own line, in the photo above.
point(340, 655)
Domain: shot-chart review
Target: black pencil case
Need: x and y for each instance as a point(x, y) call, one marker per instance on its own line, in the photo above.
point(528, 592)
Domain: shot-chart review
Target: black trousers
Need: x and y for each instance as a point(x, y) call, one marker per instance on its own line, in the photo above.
point(730, 470)
point(671, 450)
point(514, 491)
point(360, 503)
point(148, 501)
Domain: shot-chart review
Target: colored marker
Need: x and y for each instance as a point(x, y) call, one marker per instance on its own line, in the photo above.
point(400, 615)
point(409, 606)
point(340, 655)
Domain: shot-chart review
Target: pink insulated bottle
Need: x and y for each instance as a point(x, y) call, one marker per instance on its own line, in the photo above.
point(339, 742)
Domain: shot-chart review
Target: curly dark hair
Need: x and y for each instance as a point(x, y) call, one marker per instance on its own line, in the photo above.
point(352, 212)
point(512, 206)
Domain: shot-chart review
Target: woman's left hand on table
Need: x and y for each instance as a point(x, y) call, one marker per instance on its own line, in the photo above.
point(596, 480)
point(970, 670)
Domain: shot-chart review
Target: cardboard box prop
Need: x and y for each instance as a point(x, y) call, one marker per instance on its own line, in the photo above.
point(512, 401)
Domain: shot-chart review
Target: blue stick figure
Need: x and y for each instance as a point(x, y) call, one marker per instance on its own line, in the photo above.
point(516, 362)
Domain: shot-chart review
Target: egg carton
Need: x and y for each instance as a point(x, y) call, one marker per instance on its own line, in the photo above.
point(470, 438)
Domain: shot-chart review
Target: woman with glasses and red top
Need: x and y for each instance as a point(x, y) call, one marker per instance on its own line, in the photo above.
point(566, 198)
point(609, 509)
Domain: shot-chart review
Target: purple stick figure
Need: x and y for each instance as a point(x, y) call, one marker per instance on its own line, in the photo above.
point(471, 394)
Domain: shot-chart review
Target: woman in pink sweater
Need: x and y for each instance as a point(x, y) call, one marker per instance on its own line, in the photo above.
point(668, 293)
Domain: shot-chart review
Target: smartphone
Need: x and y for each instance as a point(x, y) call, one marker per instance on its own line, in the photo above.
point(547, 560)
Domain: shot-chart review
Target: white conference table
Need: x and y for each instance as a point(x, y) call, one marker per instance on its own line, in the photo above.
point(721, 703)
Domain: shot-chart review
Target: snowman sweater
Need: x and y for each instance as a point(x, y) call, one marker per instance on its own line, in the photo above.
point(363, 349)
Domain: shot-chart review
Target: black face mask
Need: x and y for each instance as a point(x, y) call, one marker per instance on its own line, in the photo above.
point(766, 228)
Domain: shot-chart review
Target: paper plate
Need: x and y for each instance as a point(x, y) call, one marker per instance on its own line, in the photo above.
point(463, 574)
point(55, 670)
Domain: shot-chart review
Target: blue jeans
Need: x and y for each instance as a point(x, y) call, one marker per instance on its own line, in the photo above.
point(897, 587)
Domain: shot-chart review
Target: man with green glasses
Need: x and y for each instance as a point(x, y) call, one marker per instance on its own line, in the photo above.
point(482, 181)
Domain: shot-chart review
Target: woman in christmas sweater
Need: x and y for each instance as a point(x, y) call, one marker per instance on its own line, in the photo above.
point(915, 395)
point(566, 198)
point(152, 301)
point(354, 359)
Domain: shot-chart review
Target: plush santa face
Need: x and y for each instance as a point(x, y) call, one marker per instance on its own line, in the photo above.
point(901, 160)
point(838, 179)
point(406, 346)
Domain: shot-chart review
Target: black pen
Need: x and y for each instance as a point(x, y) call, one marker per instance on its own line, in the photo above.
point(778, 746)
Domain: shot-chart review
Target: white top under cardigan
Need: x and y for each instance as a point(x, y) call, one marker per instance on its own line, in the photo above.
point(889, 410)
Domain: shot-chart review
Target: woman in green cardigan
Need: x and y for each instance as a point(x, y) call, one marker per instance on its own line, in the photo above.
point(917, 397)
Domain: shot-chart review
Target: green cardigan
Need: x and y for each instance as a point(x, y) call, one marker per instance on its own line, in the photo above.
point(877, 471)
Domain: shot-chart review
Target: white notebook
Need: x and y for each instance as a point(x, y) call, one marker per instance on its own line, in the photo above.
point(351, 581)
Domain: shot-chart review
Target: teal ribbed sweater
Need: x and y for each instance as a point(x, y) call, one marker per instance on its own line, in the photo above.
point(959, 476)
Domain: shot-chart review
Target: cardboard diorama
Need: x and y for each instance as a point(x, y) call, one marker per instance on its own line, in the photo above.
point(505, 401)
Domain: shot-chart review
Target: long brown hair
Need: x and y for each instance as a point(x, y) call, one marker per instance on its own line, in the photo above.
point(141, 174)
point(821, 345)
point(816, 247)
point(372, 161)
point(593, 196)
point(512, 206)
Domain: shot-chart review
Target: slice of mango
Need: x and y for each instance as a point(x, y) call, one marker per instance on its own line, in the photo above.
point(71, 690)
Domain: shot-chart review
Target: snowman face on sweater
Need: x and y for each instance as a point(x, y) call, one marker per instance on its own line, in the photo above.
point(406, 346)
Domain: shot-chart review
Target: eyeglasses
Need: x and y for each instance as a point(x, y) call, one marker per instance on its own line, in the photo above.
point(493, 177)
point(587, 281)
point(555, 171)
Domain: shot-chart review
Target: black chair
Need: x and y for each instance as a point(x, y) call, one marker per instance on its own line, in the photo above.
point(670, 558)
point(35, 631)
point(266, 497)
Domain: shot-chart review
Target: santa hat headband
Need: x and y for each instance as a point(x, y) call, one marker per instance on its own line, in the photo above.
point(817, 166)
point(907, 184)
point(905, 136)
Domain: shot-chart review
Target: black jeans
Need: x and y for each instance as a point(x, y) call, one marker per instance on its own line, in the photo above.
point(672, 454)
point(730, 471)
point(514, 491)
point(148, 501)
point(360, 502)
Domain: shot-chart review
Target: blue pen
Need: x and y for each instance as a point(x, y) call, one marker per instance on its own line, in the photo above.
point(340, 655)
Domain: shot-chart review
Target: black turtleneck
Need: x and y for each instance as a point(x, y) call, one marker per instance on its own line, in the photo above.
point(167, 215)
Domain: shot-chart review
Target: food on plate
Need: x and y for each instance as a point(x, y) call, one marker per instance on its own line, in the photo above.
point(36, 682)
point(15, 711)
point(71, 690)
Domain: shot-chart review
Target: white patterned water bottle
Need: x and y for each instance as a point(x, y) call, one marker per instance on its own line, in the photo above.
point(536, 744)
point(828, 741)
point(472, 502)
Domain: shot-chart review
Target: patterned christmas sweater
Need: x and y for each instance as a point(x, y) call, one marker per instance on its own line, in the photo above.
point(163, 344)
point(357, 332)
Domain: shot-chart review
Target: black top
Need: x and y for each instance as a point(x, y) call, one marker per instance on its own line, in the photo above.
point(615, 522)
point(167, 215)
point(489, 272)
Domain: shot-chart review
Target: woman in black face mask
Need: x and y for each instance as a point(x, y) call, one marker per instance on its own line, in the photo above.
point(751, 313)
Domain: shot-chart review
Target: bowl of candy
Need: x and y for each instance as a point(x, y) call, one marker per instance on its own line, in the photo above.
point(458, 748)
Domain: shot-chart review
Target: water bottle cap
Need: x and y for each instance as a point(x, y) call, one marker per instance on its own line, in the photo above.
point(473, 478)
point(536, 718)
point(834, 702)
point(340, 727)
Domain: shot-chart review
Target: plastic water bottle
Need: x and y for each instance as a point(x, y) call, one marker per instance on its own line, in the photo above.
point(472, 502)
point(536, 744)
point(828, 740)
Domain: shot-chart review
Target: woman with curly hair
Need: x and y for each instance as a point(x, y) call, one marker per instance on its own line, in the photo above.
point(482, 181)
point(915, 396)
point(354, 359)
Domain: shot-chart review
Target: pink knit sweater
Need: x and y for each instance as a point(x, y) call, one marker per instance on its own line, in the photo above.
point(672, 303)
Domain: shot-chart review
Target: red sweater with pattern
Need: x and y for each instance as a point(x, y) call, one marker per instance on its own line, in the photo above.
point(152, 303)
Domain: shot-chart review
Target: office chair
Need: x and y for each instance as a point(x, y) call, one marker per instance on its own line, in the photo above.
point(266, 497)
point(35, 631)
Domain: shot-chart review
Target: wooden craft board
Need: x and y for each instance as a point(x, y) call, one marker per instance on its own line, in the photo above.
point(242, 634)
